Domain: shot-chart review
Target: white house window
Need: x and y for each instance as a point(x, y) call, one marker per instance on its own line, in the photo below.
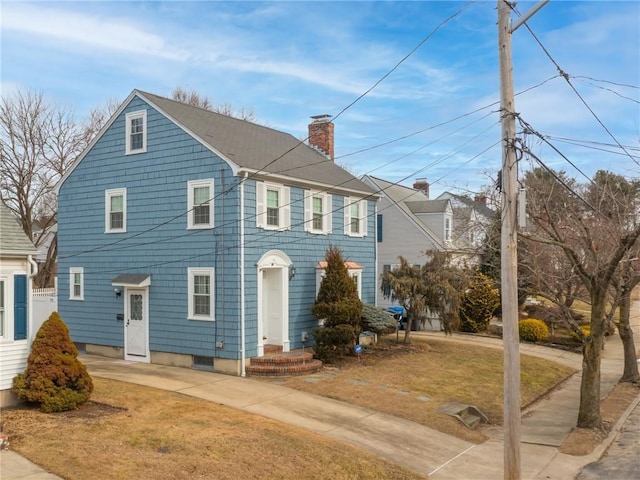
point(356, 275)
point(201, 294)
point(355, 217)
point(273, 207)
point(3, 307)
point(447, 229)
point(115, 210)
point(76, 283)
point(273, 211)
point(317, 212)
point(200, 195)
point(136, 140)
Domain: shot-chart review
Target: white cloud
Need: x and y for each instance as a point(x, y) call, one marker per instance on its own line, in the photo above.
point(80, 30)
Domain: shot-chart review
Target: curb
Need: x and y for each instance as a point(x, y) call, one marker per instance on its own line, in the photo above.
point(606, 443)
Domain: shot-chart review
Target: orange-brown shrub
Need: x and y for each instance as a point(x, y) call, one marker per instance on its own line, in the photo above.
point(54, 379)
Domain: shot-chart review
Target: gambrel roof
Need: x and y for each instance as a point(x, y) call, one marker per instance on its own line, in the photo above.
point(249, 147)
point(13, 240)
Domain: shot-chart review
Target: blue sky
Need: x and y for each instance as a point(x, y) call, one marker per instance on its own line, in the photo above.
point(290, 60)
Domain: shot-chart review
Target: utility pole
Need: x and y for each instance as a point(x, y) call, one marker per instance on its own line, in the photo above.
point(508, 243)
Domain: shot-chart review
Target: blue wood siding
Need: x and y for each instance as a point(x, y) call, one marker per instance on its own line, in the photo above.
point(158, 243)
point(19, 307)
point(305, 251)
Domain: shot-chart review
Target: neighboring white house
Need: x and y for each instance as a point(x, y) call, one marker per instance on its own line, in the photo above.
point(407, 225)
point(17, 267)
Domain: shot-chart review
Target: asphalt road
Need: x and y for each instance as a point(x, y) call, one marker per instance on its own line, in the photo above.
point(622, 459)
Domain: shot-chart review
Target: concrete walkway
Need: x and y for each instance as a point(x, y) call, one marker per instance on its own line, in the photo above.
point(406, 443)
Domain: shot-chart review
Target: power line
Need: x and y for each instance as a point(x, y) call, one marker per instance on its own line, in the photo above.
point(302, 142)
point(566, 76)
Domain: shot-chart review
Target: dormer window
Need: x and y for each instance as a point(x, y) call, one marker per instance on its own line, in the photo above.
point(136, 140)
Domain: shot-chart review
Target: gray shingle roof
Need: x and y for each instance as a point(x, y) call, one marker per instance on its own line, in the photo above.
point(403, 197)
point(257, 148)
point(428, 206)
point(13, 240)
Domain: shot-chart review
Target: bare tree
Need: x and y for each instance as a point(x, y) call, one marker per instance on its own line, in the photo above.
point(197, 100)
point(38, 143)
point(594, 234)
point(438, 286)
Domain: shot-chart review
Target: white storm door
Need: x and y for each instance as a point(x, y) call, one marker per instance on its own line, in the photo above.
point(272, 306)
point(136, 322)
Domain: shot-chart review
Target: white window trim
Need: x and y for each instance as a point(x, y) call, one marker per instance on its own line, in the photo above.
point(191, 185)
point(358, 274)
point(447, 229)
point(327, 214)
point(5, 307)
point(192, 272)
point(132, 116)
point(362, 213)
point(72, 272)
point(284, 206)
point(115, 192)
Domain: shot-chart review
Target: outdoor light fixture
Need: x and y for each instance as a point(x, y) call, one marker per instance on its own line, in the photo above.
point(292, 272)
point(117, 292)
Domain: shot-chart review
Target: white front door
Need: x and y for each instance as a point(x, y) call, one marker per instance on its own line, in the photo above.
point(272, 313)
point(136, 325)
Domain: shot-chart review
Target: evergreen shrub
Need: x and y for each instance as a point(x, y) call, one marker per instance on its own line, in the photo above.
point(533, 330)
point(54, 379)
point(377, 320)
point(339, 306)
point(479, 304)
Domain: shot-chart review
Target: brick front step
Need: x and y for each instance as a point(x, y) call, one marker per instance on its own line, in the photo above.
point(282, 369)
point(284, 364)
point(289, 358)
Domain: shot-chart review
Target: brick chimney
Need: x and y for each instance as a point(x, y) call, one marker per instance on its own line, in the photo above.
point(480, 198)
point(422, 185)
point(321, 134)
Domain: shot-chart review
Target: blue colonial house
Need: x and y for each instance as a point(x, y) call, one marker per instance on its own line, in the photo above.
point(191, 238)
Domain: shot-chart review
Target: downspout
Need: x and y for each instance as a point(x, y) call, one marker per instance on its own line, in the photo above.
point(242, 308)
point(34, 266)
point(33, 271)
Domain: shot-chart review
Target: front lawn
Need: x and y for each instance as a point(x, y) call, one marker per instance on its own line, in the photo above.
point(412, 381)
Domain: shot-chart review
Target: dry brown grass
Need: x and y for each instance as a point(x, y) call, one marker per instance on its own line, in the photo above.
point(395, 378)
point(582, 441)
point(131, 431)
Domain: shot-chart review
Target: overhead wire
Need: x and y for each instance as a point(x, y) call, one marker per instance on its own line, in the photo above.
point(301, 142)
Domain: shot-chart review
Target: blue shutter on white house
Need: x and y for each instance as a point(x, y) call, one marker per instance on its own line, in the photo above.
point(261, 193)
point(19, 307)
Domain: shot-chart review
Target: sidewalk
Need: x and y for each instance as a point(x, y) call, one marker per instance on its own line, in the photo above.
point(413, 446)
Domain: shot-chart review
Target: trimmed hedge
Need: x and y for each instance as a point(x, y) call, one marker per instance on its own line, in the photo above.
point(533, 330)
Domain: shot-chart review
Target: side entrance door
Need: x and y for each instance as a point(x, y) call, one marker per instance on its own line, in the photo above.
point(136, 324)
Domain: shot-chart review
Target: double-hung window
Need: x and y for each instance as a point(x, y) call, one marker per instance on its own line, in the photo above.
point(317, 212)
point(355, 217)
point(200, 195)
point(136, 136)
point(273, 210)
point(201, 294)
point(115, 210)
point(76, 283)
point(447, 229)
